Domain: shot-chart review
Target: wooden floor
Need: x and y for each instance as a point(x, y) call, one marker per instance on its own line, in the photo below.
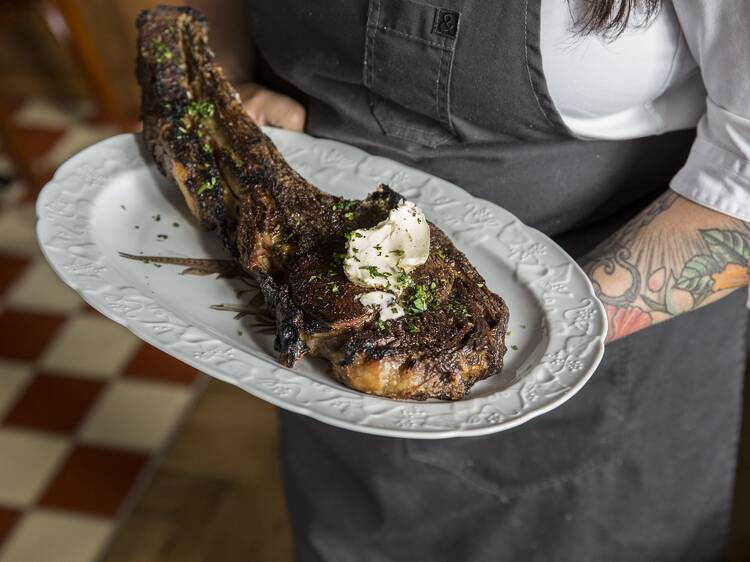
point(216, 496)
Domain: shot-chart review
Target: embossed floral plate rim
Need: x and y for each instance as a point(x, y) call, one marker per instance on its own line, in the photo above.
point(569, 349)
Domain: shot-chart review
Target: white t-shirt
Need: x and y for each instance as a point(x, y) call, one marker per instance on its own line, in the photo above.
point(690, 65)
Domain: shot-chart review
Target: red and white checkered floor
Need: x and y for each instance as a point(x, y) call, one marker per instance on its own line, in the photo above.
point(84, 405)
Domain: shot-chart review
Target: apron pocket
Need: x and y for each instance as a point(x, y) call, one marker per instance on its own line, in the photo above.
point(557, 447)
point(407, 68)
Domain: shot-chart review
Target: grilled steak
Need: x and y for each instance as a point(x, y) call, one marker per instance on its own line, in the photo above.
point(291, 235)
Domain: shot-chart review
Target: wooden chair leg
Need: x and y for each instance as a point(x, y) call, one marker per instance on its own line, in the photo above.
point(77, 35)
point(15, 149)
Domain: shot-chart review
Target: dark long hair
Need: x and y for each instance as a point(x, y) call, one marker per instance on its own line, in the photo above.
point(610, 17)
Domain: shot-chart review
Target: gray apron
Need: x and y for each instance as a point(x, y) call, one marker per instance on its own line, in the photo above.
point(639, 464)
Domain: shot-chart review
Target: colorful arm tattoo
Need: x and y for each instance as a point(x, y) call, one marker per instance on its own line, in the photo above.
point(672, 258)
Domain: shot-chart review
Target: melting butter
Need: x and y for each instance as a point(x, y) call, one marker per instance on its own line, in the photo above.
point(383, 301)
point(378, 257)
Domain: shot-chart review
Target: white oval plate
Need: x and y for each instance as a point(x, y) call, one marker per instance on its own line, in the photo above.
point(106, 200)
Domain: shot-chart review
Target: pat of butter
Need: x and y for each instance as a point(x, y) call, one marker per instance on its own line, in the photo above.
point(385, 302)
point(378, 257)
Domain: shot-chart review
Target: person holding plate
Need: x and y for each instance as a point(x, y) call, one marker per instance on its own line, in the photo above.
point(621, 128)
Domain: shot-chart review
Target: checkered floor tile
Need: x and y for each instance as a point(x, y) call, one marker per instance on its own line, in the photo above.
point(84, 405)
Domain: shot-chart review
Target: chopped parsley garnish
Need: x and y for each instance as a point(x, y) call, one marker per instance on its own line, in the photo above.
point(397, 252)
point(206, 148)
point(162, 236)
point(404, 280)
point(375, 272)
point(200, 109)
point(454, 308)
point(163, 53)
point(413, 328)
point(381, 325)
point(314, 277)
point(175, 224)
point(480, 285)
point(157, 218)
point(419, 300)
point(207, 185)
point(440, 253)
point(514, 347)
point(352, 235)
point(345, 207)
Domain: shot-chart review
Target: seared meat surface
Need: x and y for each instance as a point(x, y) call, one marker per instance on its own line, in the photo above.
point(291, 235)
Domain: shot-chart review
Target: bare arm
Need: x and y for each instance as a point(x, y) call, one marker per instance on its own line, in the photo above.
point(673, 257)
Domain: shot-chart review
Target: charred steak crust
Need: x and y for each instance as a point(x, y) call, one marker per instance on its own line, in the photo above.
point(290, 235)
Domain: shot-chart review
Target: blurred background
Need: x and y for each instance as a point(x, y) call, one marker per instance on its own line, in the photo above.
point(109, 449)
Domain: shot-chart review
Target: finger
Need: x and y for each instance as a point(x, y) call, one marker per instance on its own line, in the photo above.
point(267, 107)
point(253, 101)
point(289, 116)
point(259, 117)
point(256, 111)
